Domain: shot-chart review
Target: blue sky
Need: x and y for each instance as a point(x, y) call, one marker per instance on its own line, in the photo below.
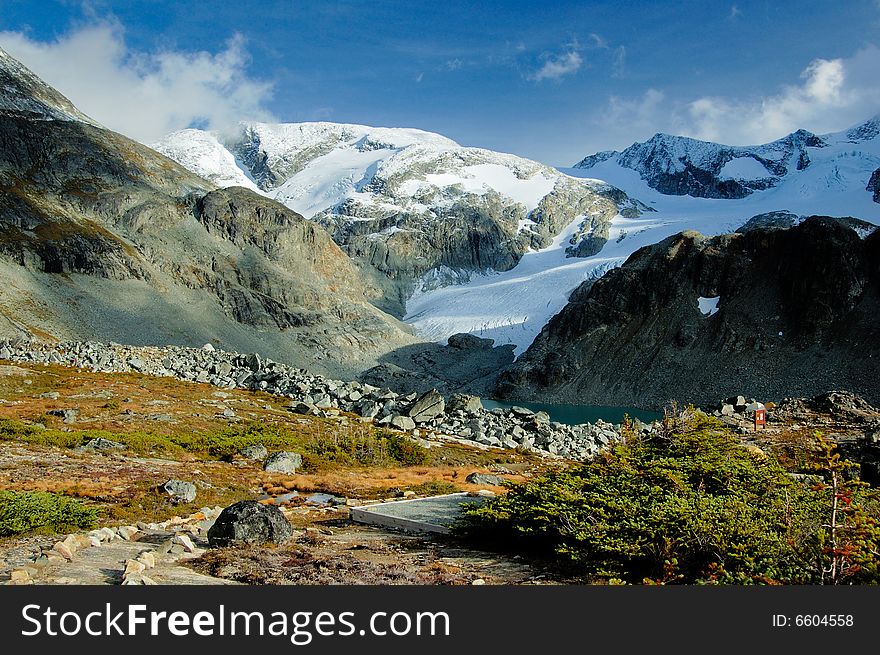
point(552, 81)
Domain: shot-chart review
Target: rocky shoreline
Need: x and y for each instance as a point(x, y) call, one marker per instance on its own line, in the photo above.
point(457, 418)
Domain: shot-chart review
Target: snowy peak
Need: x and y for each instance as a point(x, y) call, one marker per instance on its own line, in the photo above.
point(22, 93)
point(676, 165)
point(202, 153)
point(273, 153)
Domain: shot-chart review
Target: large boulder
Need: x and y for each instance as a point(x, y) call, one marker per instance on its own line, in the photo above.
point(404, 423)
point(283, 462)
point(484, 478)
point(427, 407)
point(464, 403)
point(249, 522)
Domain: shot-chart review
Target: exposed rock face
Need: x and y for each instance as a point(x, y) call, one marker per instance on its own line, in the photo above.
point(779, 312)
point(874, 185)
point(466, 364)
point(249, 522)
point(101, 237)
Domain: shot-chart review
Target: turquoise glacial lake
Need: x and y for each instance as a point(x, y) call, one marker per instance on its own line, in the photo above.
point(574, 414)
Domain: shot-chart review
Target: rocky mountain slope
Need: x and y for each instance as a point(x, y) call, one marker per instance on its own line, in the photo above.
point(415, 209)
point(781, 312)
point(101, 237)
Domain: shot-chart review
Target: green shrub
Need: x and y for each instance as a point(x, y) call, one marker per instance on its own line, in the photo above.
point(688, 505)
point(404, 450)
point(328, 443)
point(22, 512)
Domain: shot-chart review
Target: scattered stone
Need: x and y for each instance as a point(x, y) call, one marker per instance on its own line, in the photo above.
point(404, 423)
point(147, 558)
point(256, 452)
point(127, 532)
point(19, 577)
point(464, 403)
point(180, 491)
point(64, 550)
point(133, 566)
point(249, 522)
point(307, 409)
point(428, 406)
point(283, 462)
point(186, 542)
point(69, 415)
point(484, 478)
point(100, 444)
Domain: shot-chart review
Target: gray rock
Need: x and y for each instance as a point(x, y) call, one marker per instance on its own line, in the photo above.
point(180, 491)
point(69, 415)
point(303, 408)
point(522, 411)
point(428, 406)
point(727, 409)
point(464, 403)
point(323, 401)
point(101, 444)
point(484, 478)
point(367, 409)
point(402, 422)
point(256, 452)
point(249, 522)
point(253, 362)
point(283, 462)
point(752, 407)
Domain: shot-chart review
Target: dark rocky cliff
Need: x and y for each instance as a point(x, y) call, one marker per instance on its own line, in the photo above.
point(796, 315)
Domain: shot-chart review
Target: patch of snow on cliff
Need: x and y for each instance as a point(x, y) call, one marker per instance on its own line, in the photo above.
point(743, 168)
point(708, 306)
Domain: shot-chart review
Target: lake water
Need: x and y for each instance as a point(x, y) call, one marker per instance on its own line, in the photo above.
point(574, 414)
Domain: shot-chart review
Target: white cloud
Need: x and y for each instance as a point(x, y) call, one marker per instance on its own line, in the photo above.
point(618, 62)
point(559, 66)
point(598, 41)
point(831, 94)
point(735, 12)
point(145, 95)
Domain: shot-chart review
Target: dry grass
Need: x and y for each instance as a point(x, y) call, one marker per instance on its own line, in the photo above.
point(191, 445)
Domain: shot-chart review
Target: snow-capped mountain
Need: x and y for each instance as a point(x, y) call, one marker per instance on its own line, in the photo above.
point(801, 173)
point(416, 209)
point(514, 236)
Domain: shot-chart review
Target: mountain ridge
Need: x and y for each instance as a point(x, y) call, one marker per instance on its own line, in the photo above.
point(103, 238)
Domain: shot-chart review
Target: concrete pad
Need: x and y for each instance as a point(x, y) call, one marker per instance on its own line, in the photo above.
point(433, 514)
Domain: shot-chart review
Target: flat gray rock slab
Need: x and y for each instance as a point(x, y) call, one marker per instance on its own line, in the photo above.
point(433, 514)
